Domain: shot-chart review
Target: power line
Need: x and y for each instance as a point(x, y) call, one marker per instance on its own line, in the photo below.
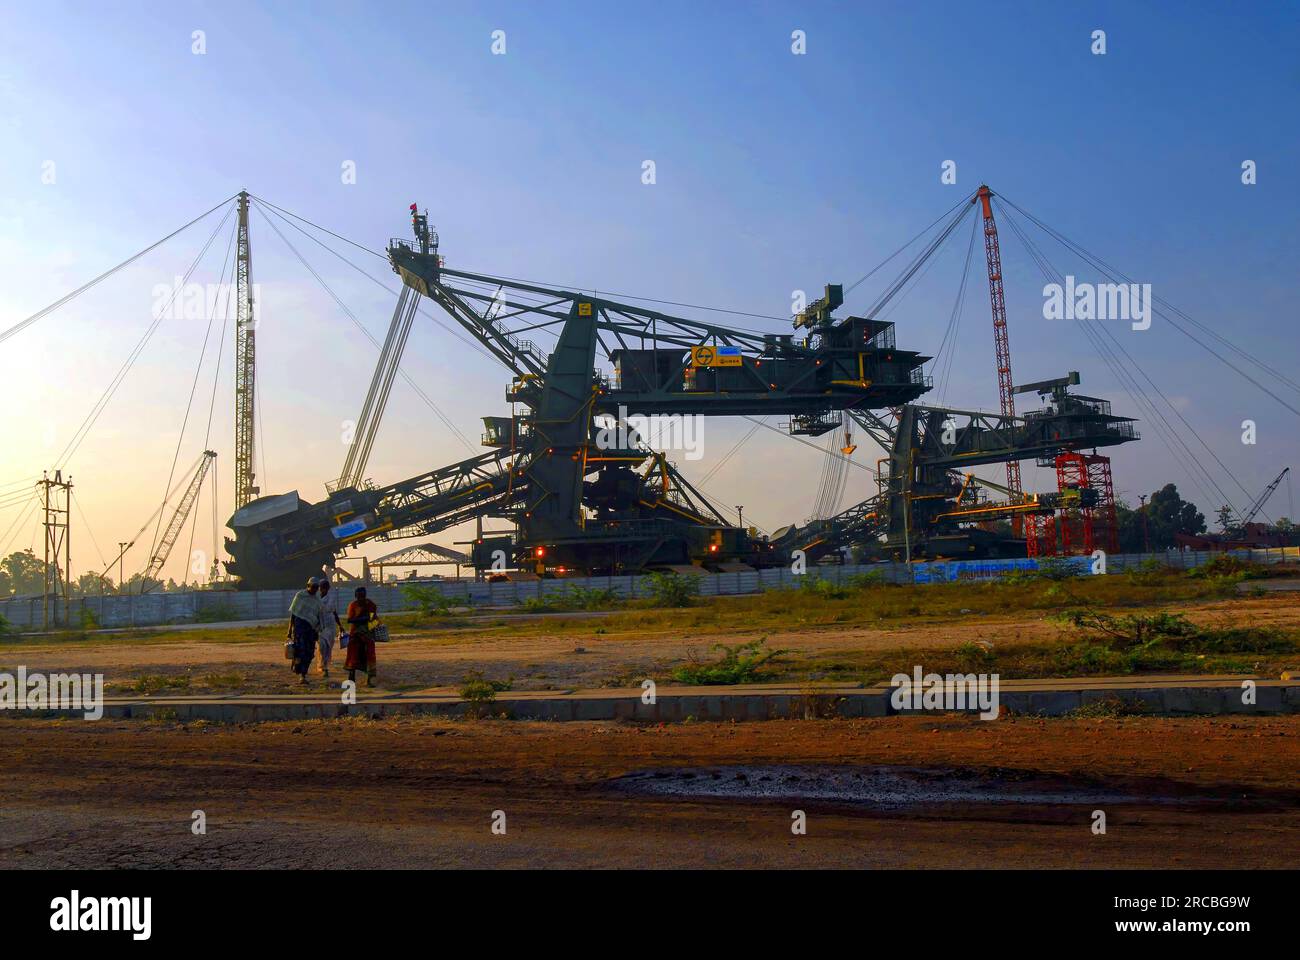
point(90, 533)
point(11, 534)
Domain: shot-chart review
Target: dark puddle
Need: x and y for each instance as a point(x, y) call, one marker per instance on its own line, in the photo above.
point(883, 787)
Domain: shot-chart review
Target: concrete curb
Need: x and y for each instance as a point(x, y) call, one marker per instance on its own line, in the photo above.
point(1157, 696)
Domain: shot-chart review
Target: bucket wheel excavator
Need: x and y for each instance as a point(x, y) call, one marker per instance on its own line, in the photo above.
point(583, 491)
point(569, 468)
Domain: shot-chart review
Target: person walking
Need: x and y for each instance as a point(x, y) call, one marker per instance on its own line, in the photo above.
point(304, 621)
point(361, 642)
point(330, 625)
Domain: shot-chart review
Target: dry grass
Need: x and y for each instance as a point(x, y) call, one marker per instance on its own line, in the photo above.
point(864, 634)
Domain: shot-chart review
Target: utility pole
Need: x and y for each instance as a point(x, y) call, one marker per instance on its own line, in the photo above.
point(741, 510)
point(58, 540)
point(245, 363)
point(121, 552)
point(1146, 533)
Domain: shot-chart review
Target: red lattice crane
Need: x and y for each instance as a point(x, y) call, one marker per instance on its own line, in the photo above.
point(1001, 345)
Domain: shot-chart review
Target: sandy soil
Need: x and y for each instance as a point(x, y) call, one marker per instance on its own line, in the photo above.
point(561, 652)
point(421, 793)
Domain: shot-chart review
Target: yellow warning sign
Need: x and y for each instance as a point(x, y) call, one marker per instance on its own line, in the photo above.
point(584, 309)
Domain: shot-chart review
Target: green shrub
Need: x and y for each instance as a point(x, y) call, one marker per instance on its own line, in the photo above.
point(673, 589)
point(1056, 568)
point(1237, 640)
point(1148, 573)
point(1016, 578)
point(478, 691)
point(1167, 641)
point(1229, 568)
point(1126, 633)
point(972, 656)
point(826, 589)
point(151, 683)
point(573, 597)
point(741, 663)
point(846, 587)
point(864, 581)
point(427, 598)
point(1089, 658)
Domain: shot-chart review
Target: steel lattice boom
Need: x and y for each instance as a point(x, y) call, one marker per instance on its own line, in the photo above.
point(178, 518)
point(1001, 343)
point(245, 363)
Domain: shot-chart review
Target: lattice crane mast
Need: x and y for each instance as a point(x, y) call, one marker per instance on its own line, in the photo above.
point(177, 521)
point(1001, 344)
point(245, 362)
point(1263, 497)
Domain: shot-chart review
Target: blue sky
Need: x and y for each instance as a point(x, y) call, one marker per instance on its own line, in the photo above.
point(775, 172)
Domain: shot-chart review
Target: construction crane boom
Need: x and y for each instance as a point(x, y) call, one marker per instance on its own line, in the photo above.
point(177, 522)
point(1263, 497)
point(381, 384)
point(245, 363)
point(1001, 343)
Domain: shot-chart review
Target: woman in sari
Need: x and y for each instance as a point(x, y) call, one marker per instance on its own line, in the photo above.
point(361, 642)
point(304, 620)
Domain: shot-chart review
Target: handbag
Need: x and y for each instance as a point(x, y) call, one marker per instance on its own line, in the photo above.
point(288, 650)
point(379, 633)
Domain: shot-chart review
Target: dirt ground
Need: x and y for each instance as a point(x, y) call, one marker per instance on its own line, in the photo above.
point(561, 652)
point(417, 792)
point(420, 792)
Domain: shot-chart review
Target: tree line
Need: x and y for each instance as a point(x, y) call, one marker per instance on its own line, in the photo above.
point(22, 574)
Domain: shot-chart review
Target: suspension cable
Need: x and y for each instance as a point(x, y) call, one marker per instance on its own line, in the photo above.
point(189, 404)
point(543, 283)
point(924, 230)
point(23, 324)
point(360, 326)
point(920, 259)
point(111, 389)
point(1114, 274)
point(1138, 367)
point(1095, 332)
point(949, 342)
